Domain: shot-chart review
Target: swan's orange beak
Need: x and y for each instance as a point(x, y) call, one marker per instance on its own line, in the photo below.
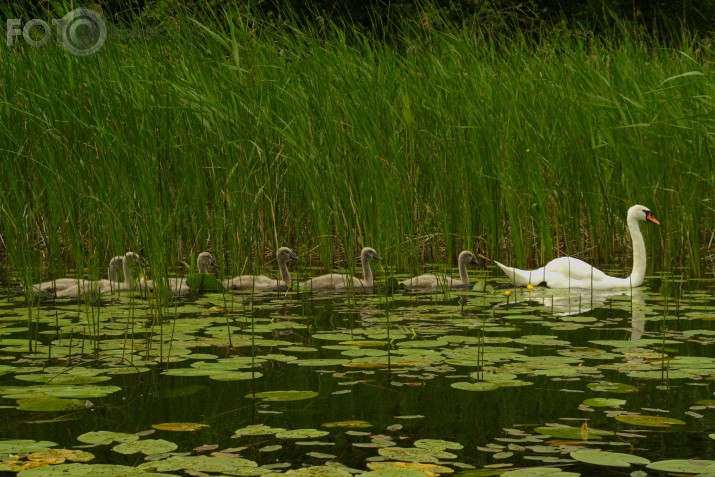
point(649, 217)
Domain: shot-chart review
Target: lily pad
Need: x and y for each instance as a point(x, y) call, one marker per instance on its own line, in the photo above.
point(257, 430)
point(568, 432)
point(22, 446)
point(64, 391)
point(106, 437)
point(146, 446)
point(283, 395)
point(539, 472)
point(58, 456)
point(179, 426)
point(648, 421)
point(406, 468)
point(301, 434)
point(478, 386)
point(608, 459)
point(82, 470)
point(605, 402)
point(201, 463)
point(415, 454)
point(204, 282)
point(437, 444)
point(612, 387)
point(50, 404)
point(685, 466)
point(348, 424)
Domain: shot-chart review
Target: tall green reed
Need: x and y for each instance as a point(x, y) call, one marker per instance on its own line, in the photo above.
point(240, 136)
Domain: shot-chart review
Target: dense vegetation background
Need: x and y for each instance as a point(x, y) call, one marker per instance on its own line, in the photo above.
point(529, 15)
point(520, 130)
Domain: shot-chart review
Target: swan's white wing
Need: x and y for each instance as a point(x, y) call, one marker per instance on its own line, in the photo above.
point(574, 268)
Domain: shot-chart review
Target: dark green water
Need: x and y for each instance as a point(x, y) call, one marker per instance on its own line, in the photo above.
point(546, 347)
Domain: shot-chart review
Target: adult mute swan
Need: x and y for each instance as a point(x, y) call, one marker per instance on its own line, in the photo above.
point(570, 272)
point(338, 281)
point(434, 281)
point(178, 286)
point(263, 282)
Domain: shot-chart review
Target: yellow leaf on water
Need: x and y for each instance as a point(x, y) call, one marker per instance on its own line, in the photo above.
point(179, 426)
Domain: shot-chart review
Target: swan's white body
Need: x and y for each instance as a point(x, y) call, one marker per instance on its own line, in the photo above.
point(178, 286)
point(340, 281)
point(429, 281)
point(570, 272)
point(263, 282)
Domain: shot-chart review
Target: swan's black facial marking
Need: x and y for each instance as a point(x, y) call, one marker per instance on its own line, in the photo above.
point(649, 217)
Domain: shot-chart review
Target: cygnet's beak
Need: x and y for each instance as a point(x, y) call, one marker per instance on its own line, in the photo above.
point(293, 256)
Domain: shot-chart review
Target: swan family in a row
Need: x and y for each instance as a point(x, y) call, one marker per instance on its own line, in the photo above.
point(563, 272)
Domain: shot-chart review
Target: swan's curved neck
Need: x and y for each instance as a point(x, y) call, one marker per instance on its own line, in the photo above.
point(367, 271)
point(203, 267)
point(114, 268)
point(127, 272)
point(463, 275)
point(639, 256)
point(285, 274)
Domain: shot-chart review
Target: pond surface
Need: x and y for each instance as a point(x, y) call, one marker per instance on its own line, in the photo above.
point(473, 382)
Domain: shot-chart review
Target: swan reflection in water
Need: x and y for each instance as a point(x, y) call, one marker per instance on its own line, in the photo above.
point(576, 302)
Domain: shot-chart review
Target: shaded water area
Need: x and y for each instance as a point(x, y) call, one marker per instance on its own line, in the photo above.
point(473, 382)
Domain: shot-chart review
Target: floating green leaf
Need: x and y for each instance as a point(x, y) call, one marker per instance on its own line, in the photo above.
point(146, 446)
point(608, 459)
point(301, 434)
point(648, 421)
point(257, 430)
point(415, 454)
point(618, 388)
point(479, 386)
point(437, 444)
point(685, 466)
point(203, 282)
point(106, 437)
point(568, 432)
point(22, 446)
point(283, 395)
point(179, 426)
point(82, 470)
point(605, 402)
point(348, 424)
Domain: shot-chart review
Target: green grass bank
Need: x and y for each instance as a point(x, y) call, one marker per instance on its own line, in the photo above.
point(243, 138)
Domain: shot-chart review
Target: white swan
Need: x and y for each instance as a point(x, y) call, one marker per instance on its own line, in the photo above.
point(178, 286)
point(263, 282)
point(337, 281)
point(434, 281)
point(570, 272)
